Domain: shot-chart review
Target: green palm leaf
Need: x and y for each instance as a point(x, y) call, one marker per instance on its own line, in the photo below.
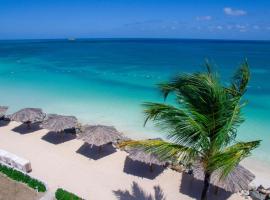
point(225, 161)
point(164, 150)
point(180, 125)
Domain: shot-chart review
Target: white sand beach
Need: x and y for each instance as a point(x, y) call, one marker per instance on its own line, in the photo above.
point(109, 177)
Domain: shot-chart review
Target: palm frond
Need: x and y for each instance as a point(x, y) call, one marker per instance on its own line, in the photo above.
point(203, 96)
point(230, 117)
point(180, 126)
point(228, 120)
point(166, 89)
point(164, 150)
point(208, 66)
point(240, 80)
point(225, 161)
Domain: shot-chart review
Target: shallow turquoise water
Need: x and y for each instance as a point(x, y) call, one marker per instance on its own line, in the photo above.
point(105, 81)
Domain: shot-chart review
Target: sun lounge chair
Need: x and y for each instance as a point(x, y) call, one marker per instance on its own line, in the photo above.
point(15, 161)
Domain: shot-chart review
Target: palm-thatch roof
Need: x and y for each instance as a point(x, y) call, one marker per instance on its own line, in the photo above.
point(3, 110)
point(59, 123)
point(236, 181)
point(28, 115)
point(140, 154)
point(99, 135)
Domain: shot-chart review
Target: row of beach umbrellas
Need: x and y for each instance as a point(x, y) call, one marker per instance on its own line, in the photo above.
point(99, 135)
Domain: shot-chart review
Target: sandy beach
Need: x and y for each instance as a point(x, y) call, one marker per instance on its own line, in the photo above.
point(71, 165)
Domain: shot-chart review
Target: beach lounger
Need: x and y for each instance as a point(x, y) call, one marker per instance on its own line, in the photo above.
point(15, 161)
point(5, 157)
point(22, 164)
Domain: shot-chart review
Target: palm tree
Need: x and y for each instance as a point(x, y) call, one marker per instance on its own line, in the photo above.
point(202, 125)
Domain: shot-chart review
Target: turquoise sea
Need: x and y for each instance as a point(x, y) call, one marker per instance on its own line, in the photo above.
point(106, 80)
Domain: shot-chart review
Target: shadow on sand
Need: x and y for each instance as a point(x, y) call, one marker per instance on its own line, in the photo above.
point(141, 169)
point(137, 193)
point(58, 138)
point(193, 187)
point(25, 128)
point(4, 122)
point(94, 152)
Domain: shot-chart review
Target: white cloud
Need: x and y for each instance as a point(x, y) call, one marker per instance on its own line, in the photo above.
point(241, 28)
point(219, 27)
point(234, 12)
point(229, 27)
point(256, 27)
point(204, 18)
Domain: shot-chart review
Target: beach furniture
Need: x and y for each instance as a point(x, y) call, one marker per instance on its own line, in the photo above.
point(22, 164)
point(28, 116)
point(59, 123)
point(4, 156)
point(139, 154)
point(237, 180)
point(3, 110)
point(99, 135)
point(15, 161)
point(256, 195)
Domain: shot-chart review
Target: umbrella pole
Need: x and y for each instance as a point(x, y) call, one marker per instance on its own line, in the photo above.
point(151, 168)
point(28, 125)
point(62, 135)
point(99, 149)
point(216, 190)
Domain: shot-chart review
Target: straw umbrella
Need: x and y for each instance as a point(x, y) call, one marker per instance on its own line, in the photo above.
point(141, 155)
point(28, 116)
point(3, 110)
point(99, 135)
point(236, 181)
point(59, 123)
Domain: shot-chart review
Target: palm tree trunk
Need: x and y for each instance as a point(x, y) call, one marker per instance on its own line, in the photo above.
point(206, 185)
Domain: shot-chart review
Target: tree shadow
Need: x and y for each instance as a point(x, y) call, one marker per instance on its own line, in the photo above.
point(192, 187)
point(95, 152)
point(58, 138)
point(141, 169)
point(4, 122)
point(138, 194)
point(25, 128)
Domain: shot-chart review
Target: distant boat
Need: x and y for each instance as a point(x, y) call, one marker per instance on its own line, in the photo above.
point(71, 39)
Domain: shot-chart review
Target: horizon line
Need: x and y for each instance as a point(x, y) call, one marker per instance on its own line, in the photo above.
point(134, 38)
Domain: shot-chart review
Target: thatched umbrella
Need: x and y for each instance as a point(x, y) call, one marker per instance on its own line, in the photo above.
point(28, 115)
point(236, 181)
point(59, 123)
point(3, 110)
point(141, 155)
point(99, 135)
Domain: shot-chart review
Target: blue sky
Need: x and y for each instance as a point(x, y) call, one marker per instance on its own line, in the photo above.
point(216, 19)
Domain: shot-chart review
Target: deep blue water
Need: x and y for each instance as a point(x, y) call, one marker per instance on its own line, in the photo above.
point(106, 80)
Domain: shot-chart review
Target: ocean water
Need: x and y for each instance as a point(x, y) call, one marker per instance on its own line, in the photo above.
point(106, 80)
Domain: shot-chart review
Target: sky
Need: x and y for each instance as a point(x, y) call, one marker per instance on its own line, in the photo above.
point(207, 19)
